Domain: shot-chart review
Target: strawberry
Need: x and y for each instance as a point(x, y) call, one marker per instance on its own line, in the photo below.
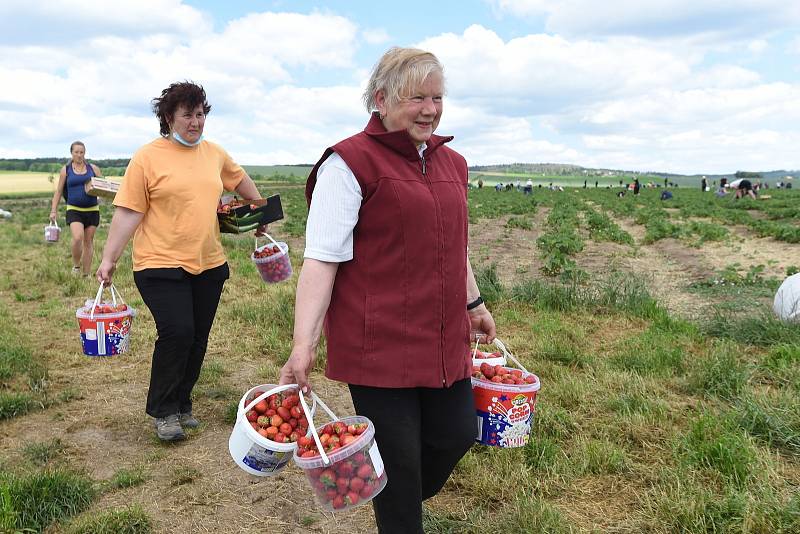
point(351, 498)
point(252, 416)
point(364, 471)
point(342, 485)
point(367, 491)
point(356, 484)
point(263, 421)
point(328, 477)
point(338, 502)
point(345, 469)
point(339, 428)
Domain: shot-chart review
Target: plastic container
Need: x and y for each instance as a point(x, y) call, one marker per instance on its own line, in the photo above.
point(105, 333)
point(334, 482)
point(52, 232)
point(254, 453)
point(505, 411)
point(274, 268)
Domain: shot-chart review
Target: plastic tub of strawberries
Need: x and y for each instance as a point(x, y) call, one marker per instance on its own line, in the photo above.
point(272, 261)
point(341, 461)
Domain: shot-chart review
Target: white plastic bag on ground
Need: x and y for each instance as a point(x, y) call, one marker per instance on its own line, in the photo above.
point(787, 299)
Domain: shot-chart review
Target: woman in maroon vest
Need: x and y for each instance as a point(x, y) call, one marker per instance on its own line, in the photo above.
point(386, 272)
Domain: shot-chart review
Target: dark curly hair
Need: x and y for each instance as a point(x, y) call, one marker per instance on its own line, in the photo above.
point(186, 93)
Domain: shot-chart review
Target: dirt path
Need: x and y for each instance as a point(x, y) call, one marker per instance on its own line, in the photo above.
point(513, 250)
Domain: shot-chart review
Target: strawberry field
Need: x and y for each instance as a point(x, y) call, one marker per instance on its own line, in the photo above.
point(669, 401)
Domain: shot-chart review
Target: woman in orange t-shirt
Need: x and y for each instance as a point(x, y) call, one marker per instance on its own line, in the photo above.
point(167, 202)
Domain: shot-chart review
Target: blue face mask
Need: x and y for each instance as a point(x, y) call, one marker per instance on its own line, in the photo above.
point(184, 142)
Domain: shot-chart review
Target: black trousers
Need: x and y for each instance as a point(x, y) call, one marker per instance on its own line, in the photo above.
point(183, 306)
point(421, 433)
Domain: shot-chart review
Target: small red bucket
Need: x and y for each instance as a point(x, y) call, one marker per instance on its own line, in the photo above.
point(272, 261)
point(105, 327)
point(505, 410)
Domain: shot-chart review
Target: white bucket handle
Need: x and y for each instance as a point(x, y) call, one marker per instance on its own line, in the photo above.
point(266, 394)
point(273, 242)
point(114, 296)
point(311, 424)
point(499, 344)
point(53, 222)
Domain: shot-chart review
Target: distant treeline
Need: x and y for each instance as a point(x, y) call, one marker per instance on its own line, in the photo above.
point(110, 167)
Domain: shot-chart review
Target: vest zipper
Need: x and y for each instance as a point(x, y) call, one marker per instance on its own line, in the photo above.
point(441, 332)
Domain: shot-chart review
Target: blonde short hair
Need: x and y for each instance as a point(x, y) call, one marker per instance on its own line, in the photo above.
point(399, 71)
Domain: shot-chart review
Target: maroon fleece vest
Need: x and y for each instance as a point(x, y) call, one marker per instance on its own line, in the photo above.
point(397, 316)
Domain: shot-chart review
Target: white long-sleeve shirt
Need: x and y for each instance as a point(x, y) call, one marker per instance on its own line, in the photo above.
point(333, 213)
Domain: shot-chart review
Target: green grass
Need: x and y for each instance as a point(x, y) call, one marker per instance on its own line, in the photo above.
point(36, 500)
point(761, 329)
point(127, 478)
point(651, 353)
point(646, 421)
point(719, 445)
point(41, 453)
point(772, 418)
point(722, 374)
point(128, 520)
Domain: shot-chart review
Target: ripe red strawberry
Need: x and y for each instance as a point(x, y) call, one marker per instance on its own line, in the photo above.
point(367, 491)
point(263, 421)
point(339, 428)
point(252, 416)
point(342, 485)
point(364, 471)
point(344, 469)
point(338, 502)
point(356, 484)
point(351, 498)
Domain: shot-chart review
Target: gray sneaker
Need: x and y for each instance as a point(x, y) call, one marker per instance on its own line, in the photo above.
point(169, 428)
point(188, 420)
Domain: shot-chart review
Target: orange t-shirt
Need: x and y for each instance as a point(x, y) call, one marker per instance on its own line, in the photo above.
point(177, 189)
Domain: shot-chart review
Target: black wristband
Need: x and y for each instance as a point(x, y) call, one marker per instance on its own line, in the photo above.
point(475, 303)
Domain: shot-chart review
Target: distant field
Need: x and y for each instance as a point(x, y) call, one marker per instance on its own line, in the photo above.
point(288, 170)
point(25, 182)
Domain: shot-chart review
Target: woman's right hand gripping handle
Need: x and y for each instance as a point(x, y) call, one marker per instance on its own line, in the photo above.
point(297, 368)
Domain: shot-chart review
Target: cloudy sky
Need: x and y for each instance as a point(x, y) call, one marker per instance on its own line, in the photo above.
point(688, 86)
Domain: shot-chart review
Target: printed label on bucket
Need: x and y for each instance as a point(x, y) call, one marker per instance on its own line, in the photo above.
point(504, 418)
point(265, 460)
point(377, 461)
point(105, 337)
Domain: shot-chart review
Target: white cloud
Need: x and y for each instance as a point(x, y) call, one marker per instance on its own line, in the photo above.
point(705, 19)
point(284, 86)
point(375, 36)
point(68, 20)
point(542, 73)
point(757, 46)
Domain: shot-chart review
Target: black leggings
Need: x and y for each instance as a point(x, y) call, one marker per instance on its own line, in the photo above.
point(421, 433)
point(183, 306)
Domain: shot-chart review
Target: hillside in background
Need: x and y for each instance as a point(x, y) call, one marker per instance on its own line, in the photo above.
point(545, 171)
point(561, 169)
